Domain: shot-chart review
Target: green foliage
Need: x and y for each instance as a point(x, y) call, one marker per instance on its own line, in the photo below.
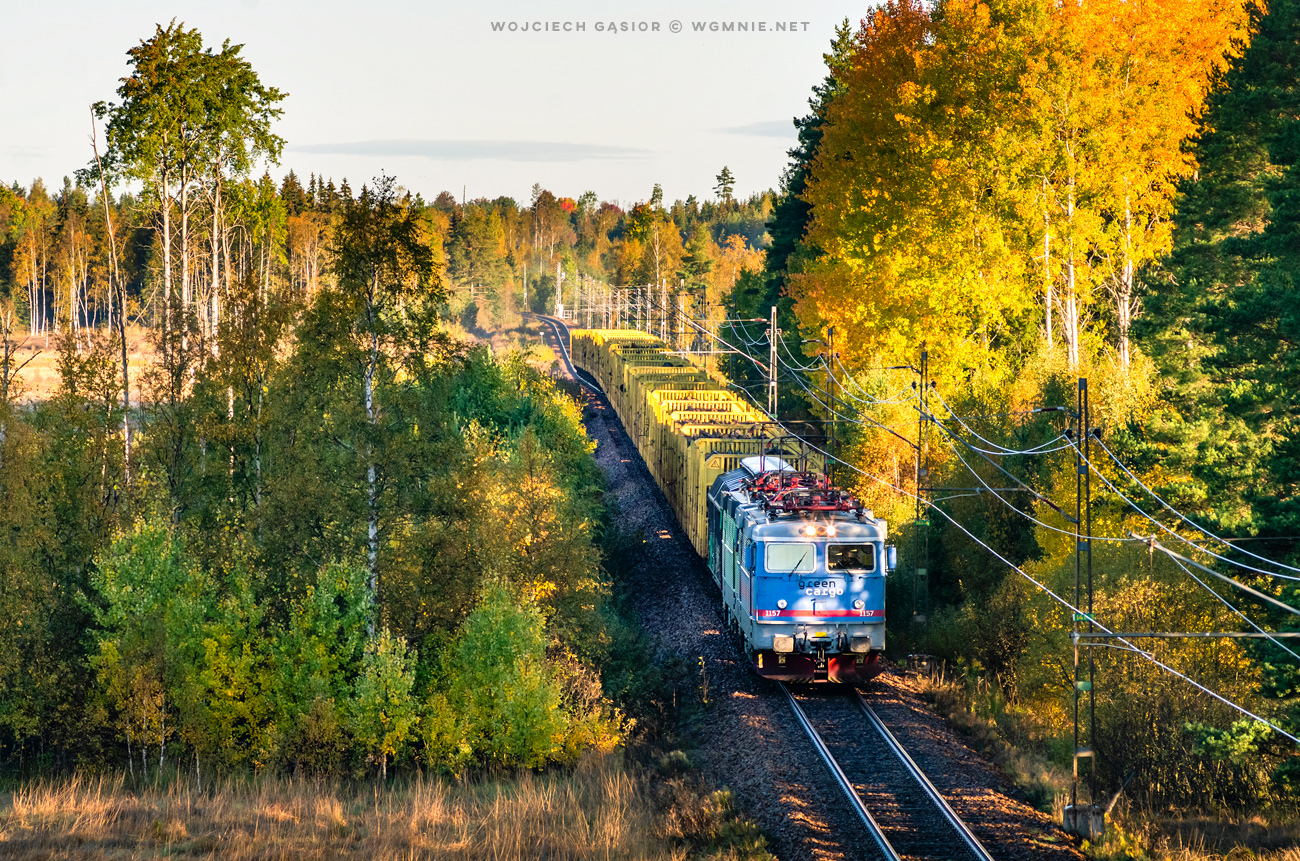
point(500, 702)
point(185, 107)
point(1239, 744)
point(154, 604)
point(230, 688)
point(384, 711)
point(1224, 334)
point(315, 659)
point(476, 254)
point(320, 483)
point(218, 633)
point(184, 656)
point(726, 185)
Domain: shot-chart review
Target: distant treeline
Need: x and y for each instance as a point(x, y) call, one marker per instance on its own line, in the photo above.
point(56, 256)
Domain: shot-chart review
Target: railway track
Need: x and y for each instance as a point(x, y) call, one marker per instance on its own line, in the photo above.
point(560, 330)
point(909, 817)
point(903, 813)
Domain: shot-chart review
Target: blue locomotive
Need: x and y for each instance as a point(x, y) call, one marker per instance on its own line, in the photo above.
point(801, 567)
point(800, 563)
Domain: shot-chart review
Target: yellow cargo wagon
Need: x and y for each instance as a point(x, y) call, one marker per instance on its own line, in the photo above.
point(703, 442)
point(687, 426)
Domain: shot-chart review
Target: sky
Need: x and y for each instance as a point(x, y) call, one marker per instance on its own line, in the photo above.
point(478, 98)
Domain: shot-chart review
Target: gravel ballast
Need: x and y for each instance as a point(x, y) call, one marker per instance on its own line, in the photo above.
point(747, 739)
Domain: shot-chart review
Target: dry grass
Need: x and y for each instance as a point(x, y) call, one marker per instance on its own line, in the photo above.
point(1044, 784)
point(598, 811)
point(1199, 839)
point(1129, 834)
point(40, 358)
point(524, 337)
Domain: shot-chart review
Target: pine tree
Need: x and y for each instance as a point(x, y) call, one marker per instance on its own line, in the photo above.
point(790, 217)
point(1223, 328)
point(726, 186)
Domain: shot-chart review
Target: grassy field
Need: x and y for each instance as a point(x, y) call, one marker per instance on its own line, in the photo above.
point(599, 810)
point(39, 359)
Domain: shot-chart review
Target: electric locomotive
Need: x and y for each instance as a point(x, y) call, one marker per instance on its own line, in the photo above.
point(801, 567)
point(800, 564)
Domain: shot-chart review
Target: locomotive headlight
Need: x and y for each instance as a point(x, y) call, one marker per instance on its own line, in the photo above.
point(859, 604)
point(809, 531)
point(780, 604)
point(830, 530)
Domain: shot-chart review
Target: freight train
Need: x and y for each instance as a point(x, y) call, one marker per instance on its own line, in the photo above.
point(800, 564)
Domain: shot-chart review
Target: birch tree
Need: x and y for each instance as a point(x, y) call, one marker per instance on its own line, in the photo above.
point(387, 278)
point(188, 118)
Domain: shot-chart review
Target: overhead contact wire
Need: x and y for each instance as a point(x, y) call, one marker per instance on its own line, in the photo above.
point(1053, 595)
point(1171, 532)
point(1190, 523)
point(1020, 571)
point(1224, 601)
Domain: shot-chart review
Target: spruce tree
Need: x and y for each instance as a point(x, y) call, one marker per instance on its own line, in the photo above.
point(1225, 334)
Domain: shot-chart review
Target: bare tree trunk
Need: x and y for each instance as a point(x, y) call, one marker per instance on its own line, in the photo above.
point(1124, 295)
point(121, 317)
point(371, 475)
point(1071, 322)
point(1047, 276)
point(167, 263)
point(144, 736)
point(257, 450)
point(162, 733)
point(185, 259)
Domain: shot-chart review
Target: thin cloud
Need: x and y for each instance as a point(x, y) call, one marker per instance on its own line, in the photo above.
point(764, 128)
point(475, 150)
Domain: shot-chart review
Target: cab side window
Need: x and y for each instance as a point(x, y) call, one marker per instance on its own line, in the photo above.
point(850, 557)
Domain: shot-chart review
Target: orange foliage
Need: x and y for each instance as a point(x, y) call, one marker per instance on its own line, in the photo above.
point(909, 189)
point(982, 151)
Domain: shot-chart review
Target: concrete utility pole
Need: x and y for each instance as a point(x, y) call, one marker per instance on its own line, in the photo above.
point(1087, 821)
point(663, 310)
point(771, 366)
point(559, 291)
point(680, 340)
point(830, 396)
point(921, 535)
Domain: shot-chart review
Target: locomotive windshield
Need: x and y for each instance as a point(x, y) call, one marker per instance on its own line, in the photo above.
point(850, 557)
point(791, 559)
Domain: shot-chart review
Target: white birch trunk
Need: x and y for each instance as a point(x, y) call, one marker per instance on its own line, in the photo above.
point(1047, 270)
point(371, 476)
point(1124, 295)
point(167, 263)
point(1071, 321)
point(185, 259)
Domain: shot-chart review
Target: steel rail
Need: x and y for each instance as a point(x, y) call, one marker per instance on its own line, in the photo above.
point(846, 785)
point(561, 331)
point(940, 802)
point(842, 779)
